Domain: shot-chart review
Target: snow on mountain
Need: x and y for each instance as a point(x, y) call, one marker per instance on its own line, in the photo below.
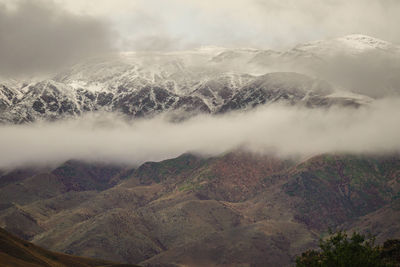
point(349, 96)
point(51, 100)
point(363, 64)
point(289, 88)
point(234, 54)
point(363, 42)
point(184, 83)
point(348, 45)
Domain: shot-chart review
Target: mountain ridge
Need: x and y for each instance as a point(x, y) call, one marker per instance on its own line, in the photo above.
point(220, 208)
point(197, 82)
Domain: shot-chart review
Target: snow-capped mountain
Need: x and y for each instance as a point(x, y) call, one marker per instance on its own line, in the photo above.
point(206, 80)
point(362, 64)
point(350, 44)
point(292, 89)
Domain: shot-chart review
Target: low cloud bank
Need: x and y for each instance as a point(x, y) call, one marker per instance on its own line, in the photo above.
point(283, 131)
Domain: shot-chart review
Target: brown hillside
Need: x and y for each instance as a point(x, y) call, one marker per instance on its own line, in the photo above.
point(16, 252)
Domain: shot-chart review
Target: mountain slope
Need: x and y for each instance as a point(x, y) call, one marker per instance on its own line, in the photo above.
point(17, 252)
point(235, 209)
point(50, 100)
point(286, 88)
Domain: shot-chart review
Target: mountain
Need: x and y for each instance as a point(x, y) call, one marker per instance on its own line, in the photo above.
point(17, 252)
point(352, 44)
point(235, 209)
point(291, 89)
point(51, 100)
point(208, 81)
point(355, 45)
point(238, 208)
point(8, 95)
point(363, 64)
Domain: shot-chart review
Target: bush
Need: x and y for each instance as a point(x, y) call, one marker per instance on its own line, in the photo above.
point(340, 250)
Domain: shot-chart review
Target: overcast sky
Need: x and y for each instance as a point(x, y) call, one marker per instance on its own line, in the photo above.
point(176, 24)
point(255, 23)
point(45, 34)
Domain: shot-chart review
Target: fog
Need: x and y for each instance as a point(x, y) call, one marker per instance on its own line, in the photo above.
point(279, 130)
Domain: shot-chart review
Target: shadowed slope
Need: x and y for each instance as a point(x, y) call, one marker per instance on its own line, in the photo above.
point(17, 252)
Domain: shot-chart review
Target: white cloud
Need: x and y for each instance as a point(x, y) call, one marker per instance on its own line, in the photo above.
point(275, 129)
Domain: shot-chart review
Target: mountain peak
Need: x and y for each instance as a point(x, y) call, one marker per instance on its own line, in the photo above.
point(350, 44)
point(363, 42)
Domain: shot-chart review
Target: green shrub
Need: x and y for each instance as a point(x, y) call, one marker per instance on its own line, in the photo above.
point(341, 250)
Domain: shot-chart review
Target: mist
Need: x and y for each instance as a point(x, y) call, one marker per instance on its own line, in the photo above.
point(278, 130)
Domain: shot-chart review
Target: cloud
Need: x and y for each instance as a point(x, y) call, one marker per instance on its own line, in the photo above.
point(281, 130)
point(248, 23)
point(45, 34)
point(41, 36)
point(148, 42)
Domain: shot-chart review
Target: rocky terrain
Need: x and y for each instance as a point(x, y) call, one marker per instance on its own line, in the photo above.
point(237, 209)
